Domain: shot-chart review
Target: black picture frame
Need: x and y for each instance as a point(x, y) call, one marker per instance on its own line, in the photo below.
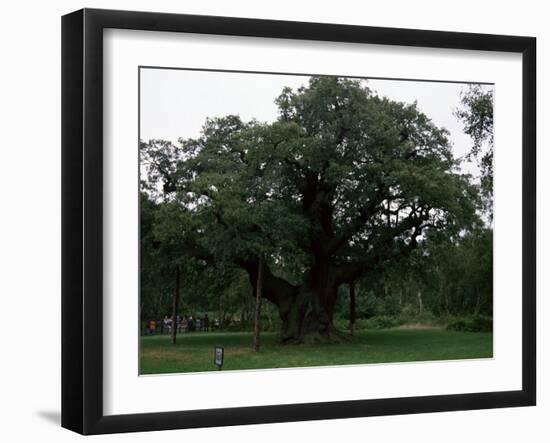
point(82, 215)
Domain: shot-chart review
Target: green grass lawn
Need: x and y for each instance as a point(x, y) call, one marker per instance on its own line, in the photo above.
point(194, 352)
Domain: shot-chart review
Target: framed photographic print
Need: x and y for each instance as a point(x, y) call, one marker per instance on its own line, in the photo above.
point(269, 221)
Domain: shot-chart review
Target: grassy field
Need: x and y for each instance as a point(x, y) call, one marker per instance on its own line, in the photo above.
point(195, 352)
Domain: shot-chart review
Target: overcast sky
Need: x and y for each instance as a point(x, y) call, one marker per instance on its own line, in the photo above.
point(175, 103)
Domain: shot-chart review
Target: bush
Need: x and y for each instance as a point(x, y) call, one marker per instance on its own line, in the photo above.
point(409, 312)
point(370, 306)
point(457, 325)
point(382, 322)
point(340, 322)
point(409, 315)
point(478, 323)
point(391, 305)
point(482, 323)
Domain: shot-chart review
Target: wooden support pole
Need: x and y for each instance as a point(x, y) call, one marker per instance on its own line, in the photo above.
point(175, 303)
point(259, 285)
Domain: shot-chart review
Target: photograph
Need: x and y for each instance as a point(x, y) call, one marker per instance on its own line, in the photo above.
point(300, 220)
point(271, 222)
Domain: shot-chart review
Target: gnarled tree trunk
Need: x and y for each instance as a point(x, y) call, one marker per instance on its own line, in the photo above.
point(306, 311)
point(305, 319)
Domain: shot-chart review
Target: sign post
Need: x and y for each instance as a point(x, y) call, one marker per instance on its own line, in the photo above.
point(218, 357)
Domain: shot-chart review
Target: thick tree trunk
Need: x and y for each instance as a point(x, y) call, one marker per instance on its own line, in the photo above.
point(308, 316)
point(175, 303)
point(306, 320)
point(306, 311)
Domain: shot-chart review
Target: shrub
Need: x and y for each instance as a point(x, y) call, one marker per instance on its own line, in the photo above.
point(382, 322)
point(478, 323)
point(391, 305)
point(410, 315)
point(481, 323)
point(409, 312)
point(457, 325)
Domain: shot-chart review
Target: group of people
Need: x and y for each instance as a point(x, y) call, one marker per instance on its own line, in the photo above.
point(182, 324)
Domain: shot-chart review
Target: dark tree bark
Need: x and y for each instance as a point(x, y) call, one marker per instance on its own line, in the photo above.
point(306, 319)
point(175, 303)
point(306, 311)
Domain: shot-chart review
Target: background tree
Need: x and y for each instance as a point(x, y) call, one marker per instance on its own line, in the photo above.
point(476, 115)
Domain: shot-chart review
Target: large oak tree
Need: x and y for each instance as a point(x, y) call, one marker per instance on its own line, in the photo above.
point(341, 184)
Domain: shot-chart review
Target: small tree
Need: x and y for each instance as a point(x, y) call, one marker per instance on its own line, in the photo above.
point(476, 115)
